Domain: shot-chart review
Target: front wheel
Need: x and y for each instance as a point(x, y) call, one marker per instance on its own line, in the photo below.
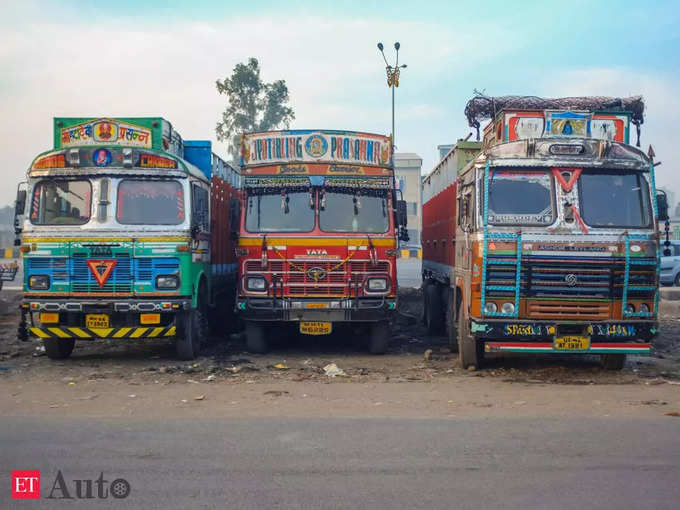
point(59, 348)
point(613, 361)
point(379, 337)
point(434, 319)
point(470, 350)
point(193, 334)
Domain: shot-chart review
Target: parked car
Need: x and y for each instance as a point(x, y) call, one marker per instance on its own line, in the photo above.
point(670, 265)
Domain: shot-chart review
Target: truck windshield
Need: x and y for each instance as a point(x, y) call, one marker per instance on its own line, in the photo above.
point(280, 212)
point(615, 199)
point(520, 198)
point(61, 202)
point(144, 202)
point(350, 212)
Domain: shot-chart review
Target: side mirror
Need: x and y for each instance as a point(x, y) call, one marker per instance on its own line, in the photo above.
point(19, 208)
point(20, 204)
point(662, 206)
point(234, 217)
point(402, 215)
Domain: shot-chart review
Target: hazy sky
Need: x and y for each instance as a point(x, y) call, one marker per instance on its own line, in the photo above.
point(136, 58)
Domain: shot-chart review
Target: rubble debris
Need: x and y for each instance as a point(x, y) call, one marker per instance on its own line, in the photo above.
point(332, 370)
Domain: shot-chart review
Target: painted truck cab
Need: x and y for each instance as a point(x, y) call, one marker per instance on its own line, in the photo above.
point(117, 236)
point(556, 247)
point(318, 238)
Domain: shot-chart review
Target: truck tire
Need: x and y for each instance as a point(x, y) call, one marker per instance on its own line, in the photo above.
point(59, 348)
point(256, 339)
point(379, 337)
point(613, 361)
point(192, 336)
point(434, 318)
point(451, 311)
point(470, 351)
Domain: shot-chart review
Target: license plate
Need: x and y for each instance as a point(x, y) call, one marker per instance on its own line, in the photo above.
point(96, 320)
point(316, 328)
point(150, 318)
point(571, 343)
point(49, 318)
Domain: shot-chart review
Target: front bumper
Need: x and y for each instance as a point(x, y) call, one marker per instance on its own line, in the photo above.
point(324, 310)
point(124, 317)
point(621, 337)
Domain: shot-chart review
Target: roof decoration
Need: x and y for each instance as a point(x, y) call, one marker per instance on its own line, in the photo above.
point(483, 107)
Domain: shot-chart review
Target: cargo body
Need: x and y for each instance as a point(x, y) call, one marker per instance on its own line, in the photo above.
point(545, 244)
point(318, 238)
point(125, 234)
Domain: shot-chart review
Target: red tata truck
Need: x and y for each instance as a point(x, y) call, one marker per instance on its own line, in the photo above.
point(318, 235)
point(543, 237)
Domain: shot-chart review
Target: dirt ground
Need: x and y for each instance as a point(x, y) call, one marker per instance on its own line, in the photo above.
point(413, 356)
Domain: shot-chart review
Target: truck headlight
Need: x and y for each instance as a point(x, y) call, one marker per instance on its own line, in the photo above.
point(377, 284)
point(490, 307)
point(256, 283)
point(630, 309)
point(644, 308)
point(508, 308)
point(167, 281)
point(39, 282)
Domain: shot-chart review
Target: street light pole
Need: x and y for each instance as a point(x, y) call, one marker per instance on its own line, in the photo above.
point(392, 78)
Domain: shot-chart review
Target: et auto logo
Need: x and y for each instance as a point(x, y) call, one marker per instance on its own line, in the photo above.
point(26, 485)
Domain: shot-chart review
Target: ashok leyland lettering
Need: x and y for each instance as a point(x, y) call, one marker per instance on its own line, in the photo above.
point(318, 236)
point(546, 240)
point(125, 235)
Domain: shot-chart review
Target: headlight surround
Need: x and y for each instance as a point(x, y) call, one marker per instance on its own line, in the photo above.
point(490, 307)
point(167, 281)
point(644, 308)
point(630, 308)
point(256, 283)
point(39, 282)
point(508, 308)
point(377, 284)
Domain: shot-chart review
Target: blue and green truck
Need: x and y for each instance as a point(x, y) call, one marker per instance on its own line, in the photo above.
point(126, 233)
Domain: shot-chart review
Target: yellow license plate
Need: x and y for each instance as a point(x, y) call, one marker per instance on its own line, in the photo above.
point(96, 320)
point(571, 343)
point(150, 318)
point(316, 328)
point(49, 318)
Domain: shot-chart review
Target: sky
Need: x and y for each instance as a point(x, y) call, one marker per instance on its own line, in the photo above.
point(162, 58)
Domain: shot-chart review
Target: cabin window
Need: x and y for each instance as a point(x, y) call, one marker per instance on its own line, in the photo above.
point(279, 211)
point(615, 199)
point(200, 207)
point(354, 212)
point(150, 202)
point(61, 202)
point(520, 198)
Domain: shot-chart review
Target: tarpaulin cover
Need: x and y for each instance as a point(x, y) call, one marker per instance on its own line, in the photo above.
point(483, 107)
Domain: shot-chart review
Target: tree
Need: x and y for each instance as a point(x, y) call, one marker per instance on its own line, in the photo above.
point(253, 105)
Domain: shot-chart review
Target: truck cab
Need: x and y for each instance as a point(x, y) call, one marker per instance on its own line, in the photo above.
point(116, 237)
point(556, 247)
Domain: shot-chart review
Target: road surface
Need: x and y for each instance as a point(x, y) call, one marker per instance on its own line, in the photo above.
point(353, 463)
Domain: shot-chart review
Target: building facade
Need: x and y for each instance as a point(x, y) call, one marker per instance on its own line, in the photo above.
point(407, 167)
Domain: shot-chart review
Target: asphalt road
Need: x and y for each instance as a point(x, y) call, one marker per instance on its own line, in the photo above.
point(352, 463)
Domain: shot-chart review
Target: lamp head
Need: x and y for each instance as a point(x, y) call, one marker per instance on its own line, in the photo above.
point(380, 46)
point(397, 46)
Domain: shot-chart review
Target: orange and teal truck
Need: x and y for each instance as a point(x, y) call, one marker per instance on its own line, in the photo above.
point(543, 236)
